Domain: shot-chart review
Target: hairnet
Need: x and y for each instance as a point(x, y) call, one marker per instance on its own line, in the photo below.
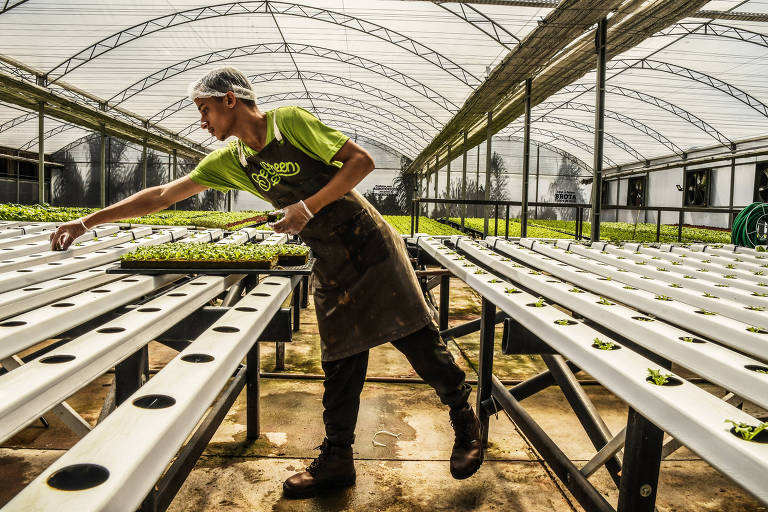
point(220, 81)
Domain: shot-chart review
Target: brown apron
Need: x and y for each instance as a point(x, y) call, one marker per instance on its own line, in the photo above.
point(366, 291)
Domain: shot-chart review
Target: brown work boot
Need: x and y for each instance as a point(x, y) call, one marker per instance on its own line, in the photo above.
point(467, 454)
point(333, 468)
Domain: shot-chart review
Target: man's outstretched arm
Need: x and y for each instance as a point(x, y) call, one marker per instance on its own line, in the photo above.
point(149, 200)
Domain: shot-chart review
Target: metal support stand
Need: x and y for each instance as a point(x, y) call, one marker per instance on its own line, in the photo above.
point(597, 183)
point(131, 374)
point(296, 305)
point(488, 160)
point(526, 161)
point(252, 392)
point(640, 471)
point(41, 154)
point(485, 364)
point(305, 292)
point(585, 410)
point(445, 286)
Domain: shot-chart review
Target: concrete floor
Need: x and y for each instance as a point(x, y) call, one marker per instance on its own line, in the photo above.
point(411, 472)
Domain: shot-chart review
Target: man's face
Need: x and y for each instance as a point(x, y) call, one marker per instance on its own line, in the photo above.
point(216, 115)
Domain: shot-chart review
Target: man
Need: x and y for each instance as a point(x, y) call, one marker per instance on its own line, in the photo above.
point(366, 291)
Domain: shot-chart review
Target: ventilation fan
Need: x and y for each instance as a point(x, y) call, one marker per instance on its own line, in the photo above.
point(697, 188)
point(636, 192)
point(761, 183)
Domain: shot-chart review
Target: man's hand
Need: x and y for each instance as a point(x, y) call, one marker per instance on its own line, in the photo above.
point(296, 217)
point(66, 234)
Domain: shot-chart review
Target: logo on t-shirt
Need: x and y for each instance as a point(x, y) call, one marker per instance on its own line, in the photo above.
point(270, 174)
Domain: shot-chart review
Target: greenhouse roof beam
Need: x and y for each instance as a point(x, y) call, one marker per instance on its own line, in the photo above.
point(657, 102)
point(565, 154)
point(479, 20)
point(507, 3)
point(565, 138)
point(8, 5)
point(559, 51)
point(280, 47)
point(262, 7)
point(715, 30)
point(640, 126)
point(327, 78)
point(738, 16)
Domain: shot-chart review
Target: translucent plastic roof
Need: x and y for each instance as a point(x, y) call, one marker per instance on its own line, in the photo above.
point(391, 71)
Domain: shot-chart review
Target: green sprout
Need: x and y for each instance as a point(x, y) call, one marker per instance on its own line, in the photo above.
point(621, 257)
point(746, 431)
point(646, 277)
point(467, 265)
point(760, 248)
point(663, 297)
point(534, 273)
point(686, 276)
point(563, 322)
point(576, 290)
point(702, 270)
point(687, 339)
point(758, 273)
point(493, 281)
point(758, 294)
point(568, 252)
point(710, 296)
point(729, 276)
point(628, 287)
point(480, 271)
point(539, 303)
point(677, 262)
point(655, 258)
point(757, 330)
point(705, 312)
point(657, 377)
point(662, 269)
point(512, 290)
point(706, 261)
point(605, 302)
point(603, 345)
point(675, 285)
point(459, 258)
point(730, 265)
point(755, 308)
point(761, 370)
point(506, 259)
point(721, 285)
point(640, 263)
point(762, 284)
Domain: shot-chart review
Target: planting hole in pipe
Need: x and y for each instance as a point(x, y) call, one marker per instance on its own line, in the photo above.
point(226, 328)
point(13, 323)
point(148, 310)
point(197, 358)
point(177, 294)
point(111, 330)
point(63, 358)
point(691, 339)
point(78, 477)
point(62, 305)
point(31, 289)
point(246, 309)
point(154, 401)
point(757, 368)
point(259, 294)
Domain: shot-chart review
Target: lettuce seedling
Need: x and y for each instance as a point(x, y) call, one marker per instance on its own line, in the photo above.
point(746, 431)
point(563, 322)
point(539, 303)
point(755, 308)
point(663, 297)
point(657, 377)
point(576, 290)
point(605, 302)
point(603, 345)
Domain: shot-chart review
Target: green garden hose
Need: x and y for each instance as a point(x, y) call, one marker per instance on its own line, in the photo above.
point(747, 226)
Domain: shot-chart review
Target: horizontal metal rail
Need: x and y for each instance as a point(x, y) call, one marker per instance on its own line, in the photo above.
point(686, 412)
point(135, 444)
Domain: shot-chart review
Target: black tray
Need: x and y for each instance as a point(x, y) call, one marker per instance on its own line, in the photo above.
point(299, 270)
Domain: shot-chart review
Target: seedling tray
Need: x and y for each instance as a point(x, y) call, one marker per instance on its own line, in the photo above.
point(152, 268)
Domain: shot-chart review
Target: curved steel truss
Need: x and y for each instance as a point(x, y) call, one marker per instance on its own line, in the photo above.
point(8, 5)
point(565, 154)
point(694, 75)
point(481, 22)
point(23, 118)
point(657, 102)
point(591, 129)
point(714, 30)
point(634, 123)
point(319, 77)
point(569, 140)
point(262, 7)
point(280, 47)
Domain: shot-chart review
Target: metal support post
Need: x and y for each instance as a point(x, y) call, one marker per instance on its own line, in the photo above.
point(296, 303)
point(103, 169)
point(477, 174)
point(658, 226)
point(305, 292)
point(618, 186)
point(448, 175)
point(464, 180)
point(488, 160)
point(680, 226)
point(437, 171)
point(730, 195)
point(600, 44)
point(585, 410)
point(506, 232)
point(536, 208)
point(144, 164)
point(640, 470)
point(496, 220)
point(41, 153)
point(131, 374)
point(175, 172)
point(485, 363)
point(252, 391)
point(526, 161)
point(445, 293)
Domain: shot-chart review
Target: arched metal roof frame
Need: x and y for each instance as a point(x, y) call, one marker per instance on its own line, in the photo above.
point(372, 135)
point(280, 47)
point(262, 7)
point(565, 139)
point(570, 156)
point(471, 14)
point(656, 102)
point(618, 116)
point(590, 129)
point(714, 30)
point(320, 77)
point(405, 126)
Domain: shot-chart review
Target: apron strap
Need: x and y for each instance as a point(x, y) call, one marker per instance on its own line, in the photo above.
point(275, 129)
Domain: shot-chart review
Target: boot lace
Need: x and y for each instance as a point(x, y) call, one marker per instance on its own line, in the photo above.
point(464, 429)
point(317, 464)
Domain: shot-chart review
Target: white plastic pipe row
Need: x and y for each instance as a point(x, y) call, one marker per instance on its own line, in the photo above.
point(710, 360)
point(686, 412)
point(24, 229)
point(133, 444)
point(27, 245)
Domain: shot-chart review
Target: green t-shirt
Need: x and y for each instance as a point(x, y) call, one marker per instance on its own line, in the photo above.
point(222, 170)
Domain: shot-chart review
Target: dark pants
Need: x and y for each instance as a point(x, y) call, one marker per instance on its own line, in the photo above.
point(344, 380)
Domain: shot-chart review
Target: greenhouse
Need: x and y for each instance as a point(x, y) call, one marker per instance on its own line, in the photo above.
point(384, 255)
